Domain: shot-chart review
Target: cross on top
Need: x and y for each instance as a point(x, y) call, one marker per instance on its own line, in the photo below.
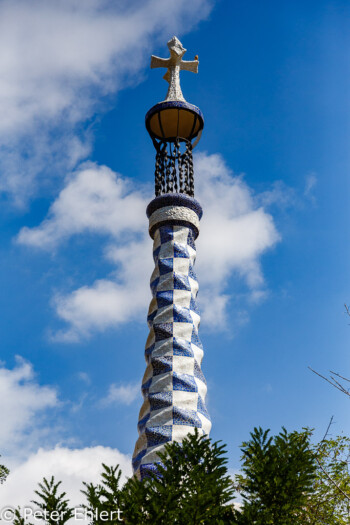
point(174, 65)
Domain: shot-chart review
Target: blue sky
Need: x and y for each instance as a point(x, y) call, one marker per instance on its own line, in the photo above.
point(76, 172)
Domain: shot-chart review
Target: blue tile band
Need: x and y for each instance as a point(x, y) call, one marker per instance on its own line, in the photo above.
point(173, 386)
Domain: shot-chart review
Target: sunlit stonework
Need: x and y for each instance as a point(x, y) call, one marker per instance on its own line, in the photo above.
point(174, 65)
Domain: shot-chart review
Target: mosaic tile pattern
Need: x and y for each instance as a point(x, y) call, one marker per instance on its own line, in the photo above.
point(173, 385)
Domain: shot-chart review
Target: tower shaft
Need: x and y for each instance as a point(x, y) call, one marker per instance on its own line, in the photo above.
point(173, 385)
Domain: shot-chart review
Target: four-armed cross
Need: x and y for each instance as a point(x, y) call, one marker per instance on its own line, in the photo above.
point(174, 64)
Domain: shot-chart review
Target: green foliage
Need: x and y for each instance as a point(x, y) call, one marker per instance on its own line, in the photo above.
point(330, 500)
point(103, 499)
point(55, 508)
point(4, 472)
point(278, 477)
point(285, 480)
point(18, 518)
point(193, 487)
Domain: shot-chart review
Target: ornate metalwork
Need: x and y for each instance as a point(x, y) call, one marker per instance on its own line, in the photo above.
point(174, 167)
point(173, 124)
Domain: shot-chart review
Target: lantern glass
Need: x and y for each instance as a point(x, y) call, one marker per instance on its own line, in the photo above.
point(174, 120)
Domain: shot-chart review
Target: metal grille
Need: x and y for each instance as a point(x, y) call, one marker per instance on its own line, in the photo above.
point(174, 168)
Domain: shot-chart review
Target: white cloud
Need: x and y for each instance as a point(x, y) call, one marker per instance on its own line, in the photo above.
point(310, 185)
point(84, 376)
point(22, 401)
point(109, 302)
point(59, 59)
point(214, 307)
point(26, 409)
point(122, 394)
point(94, 199)
point(235, 231)
point(279, 194)
point(71, 466)
point(97, 200)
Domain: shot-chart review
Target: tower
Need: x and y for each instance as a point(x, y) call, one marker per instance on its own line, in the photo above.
point(173, 386)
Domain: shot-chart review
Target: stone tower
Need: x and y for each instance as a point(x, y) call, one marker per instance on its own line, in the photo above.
point(173, 386)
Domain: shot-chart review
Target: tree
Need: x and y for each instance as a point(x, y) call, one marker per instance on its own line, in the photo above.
point(52, 507)
point(18, 518)
point(192, 486)
point(330, 499)
point(278, 477)
point(104, 499)
point(336, 379)
point(55, 508)
point(285, 480)
point(4, 472)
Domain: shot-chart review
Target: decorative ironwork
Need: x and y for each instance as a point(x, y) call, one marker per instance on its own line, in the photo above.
point(174, 167)
point(175, 126)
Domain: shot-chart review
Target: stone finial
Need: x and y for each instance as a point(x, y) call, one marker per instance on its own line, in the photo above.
point(174, 65)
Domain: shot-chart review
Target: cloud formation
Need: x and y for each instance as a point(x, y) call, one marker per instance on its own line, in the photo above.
point(23, 400)
point(26, 411)
point(59, 60)
point(94, 200)
point(235, 231)
point(71, 466)
point(121, 394)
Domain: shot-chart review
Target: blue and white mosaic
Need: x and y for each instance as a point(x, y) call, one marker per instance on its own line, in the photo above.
point(173, 385)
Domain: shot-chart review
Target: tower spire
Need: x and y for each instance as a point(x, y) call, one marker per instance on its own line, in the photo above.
point(173, 386)
point(173, 125)
point(174, 65)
